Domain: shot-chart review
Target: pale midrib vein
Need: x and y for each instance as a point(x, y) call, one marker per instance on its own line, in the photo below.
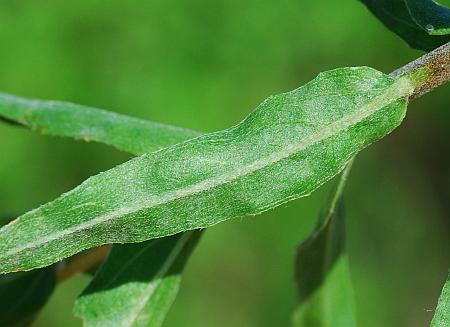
point(161, 272)
point(401, 88)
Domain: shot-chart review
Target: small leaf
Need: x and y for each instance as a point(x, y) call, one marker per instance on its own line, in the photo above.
point(138, 283)
point(55, 118)
point(442, 315)
point(413, 21)
point(289, 146)
point(322, 273)
point(23, 294)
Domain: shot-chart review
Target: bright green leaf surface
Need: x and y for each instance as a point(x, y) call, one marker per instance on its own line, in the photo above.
point(23, 294)
point(407, 19)
point(289, 146)
point(322, 272)
point(442, 315)
point(129, 134)
point(138, 283)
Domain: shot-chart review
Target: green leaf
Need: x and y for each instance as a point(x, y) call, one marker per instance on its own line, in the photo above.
point(322, 273)
point(23, 294)
point(138, 283)
point(442, 315)
point(432, 17)
point(289, 146)
point(421, 23)
point(54, 118)
point(128, 134)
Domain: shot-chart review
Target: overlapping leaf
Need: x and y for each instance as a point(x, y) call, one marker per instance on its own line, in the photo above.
point(138, 283)
point(325, 293)
point(442, 314)
point(70, 120)
point(289, 146)
point(423, 24)
point(23, 294)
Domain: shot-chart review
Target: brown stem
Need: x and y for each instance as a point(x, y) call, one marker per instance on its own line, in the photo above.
point(81, 262)
point(437, 61)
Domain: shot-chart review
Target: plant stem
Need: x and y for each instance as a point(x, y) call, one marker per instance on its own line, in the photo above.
point(437, 62)
point(82, 262)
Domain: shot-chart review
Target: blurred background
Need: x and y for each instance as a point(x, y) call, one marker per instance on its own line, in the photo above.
point(205, 65)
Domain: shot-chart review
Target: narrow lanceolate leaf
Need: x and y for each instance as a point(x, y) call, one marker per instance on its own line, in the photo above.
point(325, 293)
point(23, 294)
point(138, 283)
point(423, 24)
point(129, 134)
point(289, 146)
point(442, 314)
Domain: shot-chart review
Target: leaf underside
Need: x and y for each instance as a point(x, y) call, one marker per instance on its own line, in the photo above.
point(137, 284)
point(289, 146)
point(325, 293)
point(23, 294)
point(423, 24)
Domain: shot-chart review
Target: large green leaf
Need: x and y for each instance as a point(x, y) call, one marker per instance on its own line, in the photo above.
point(138, 283)
point(289, 146)
point(129, 134)
point(442, 315)
point(325, 293)
point(421, 23)
point(23, 294)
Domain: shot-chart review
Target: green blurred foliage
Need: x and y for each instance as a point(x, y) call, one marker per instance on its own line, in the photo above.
point(204, 65)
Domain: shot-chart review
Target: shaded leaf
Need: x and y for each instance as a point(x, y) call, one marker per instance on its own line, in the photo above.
point(55, 118)
point(414, 29)
point(432, 17)
point(137, 284)
point(442, 315)
point(23, 294)
point(325, 293)
point(289, 146)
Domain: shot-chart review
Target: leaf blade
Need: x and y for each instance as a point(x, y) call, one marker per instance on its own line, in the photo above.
point(325, 293)
point(129, 292)
point(199, 183)
point(430, 16)
point(23, 294)
point(396, 16)
point(442, 314)
point(64, 119)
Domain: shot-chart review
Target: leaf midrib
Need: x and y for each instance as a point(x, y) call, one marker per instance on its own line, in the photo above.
point(401, 88)
point(171, 258)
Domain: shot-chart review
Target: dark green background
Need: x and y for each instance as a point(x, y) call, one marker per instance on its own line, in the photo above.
point(205, 65)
